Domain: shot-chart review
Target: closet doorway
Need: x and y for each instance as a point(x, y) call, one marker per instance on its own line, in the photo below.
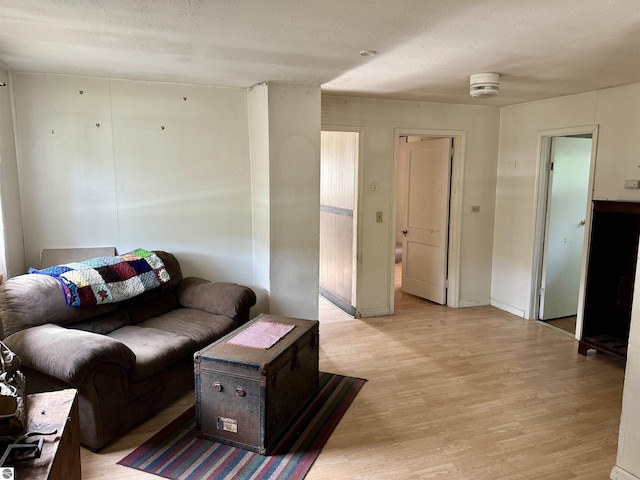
point(339, 154)
point(445, 224)
point(422, 215)
point(563, 221)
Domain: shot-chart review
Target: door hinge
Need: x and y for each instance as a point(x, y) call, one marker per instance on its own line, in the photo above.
point(549, 166)
point(541, 291)
point(446, 283)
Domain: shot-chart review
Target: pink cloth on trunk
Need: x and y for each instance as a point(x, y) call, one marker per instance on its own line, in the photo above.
point(261, 335)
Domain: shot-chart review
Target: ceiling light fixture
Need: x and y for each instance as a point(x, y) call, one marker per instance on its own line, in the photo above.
point(484, 85)
point(368, 53)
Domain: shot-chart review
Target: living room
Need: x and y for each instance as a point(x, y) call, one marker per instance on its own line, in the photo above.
point(227, 179)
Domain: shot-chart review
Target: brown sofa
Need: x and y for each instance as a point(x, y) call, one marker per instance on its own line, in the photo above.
point(128, 360)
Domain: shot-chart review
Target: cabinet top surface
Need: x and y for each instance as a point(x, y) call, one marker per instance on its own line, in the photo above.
point(615, 206)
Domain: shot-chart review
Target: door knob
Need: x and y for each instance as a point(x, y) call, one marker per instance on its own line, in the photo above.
point(582, 222)
point(404, 232)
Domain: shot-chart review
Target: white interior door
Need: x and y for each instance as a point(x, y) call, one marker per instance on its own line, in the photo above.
point(425, 240)
point(565, 231)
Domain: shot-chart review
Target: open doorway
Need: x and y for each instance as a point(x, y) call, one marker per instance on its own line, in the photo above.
point(563, 219)
point(338, 218)
point(422, 215)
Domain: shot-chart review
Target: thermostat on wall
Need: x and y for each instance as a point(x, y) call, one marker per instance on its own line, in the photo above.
point(632, 184)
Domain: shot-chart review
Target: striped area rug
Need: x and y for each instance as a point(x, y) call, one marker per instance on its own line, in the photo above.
point(176, 452)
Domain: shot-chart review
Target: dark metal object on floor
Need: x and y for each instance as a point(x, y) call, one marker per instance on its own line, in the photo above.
point(18, 449)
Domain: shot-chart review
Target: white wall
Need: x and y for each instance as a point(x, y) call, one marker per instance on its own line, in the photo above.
point(379, 118)
point(628, 459)
point(294, 183)
point(617, 112)
point(12, 261)
point(284, 130)
point(136, 164)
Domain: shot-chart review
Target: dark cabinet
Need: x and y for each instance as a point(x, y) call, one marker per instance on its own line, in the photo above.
point(613, 251)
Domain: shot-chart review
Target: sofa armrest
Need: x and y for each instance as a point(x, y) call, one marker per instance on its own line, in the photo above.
point(219, 298)
point(67, 354)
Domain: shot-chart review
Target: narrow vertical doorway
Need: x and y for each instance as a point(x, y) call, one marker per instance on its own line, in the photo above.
point(338, 218)
point(422, 216)
point(563, 223)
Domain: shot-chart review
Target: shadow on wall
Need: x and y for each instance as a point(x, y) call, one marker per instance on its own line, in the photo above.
point(262, 302)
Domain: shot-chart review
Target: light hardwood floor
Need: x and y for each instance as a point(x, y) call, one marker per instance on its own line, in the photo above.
point(565, 323)
point(471, 393)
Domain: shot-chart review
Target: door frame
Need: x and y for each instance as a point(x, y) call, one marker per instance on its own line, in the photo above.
point(455, 210)
point(540, 207)
point(356, 273)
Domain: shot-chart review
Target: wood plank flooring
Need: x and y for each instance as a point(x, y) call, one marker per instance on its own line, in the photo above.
point(565, 323)
point(473, 393)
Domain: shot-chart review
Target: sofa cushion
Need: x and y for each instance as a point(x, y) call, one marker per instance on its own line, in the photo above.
point(141, 311)
point(154, 349)
point(203, 328)
point(103, 324)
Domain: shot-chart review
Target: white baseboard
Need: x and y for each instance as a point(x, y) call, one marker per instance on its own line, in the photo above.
point(474, 303)
point(618, 473)
point(374, 312)
point(507, 308)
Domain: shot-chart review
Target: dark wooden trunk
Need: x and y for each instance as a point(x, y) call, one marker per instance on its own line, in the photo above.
point(246, 397)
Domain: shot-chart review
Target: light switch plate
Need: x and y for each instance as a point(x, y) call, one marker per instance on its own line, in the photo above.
point(632, 184)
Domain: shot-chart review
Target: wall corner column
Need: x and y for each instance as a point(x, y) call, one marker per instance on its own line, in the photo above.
point(628, 459)
point(284, 129)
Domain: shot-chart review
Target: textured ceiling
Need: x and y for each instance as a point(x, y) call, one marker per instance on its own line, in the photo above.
point(427, 48)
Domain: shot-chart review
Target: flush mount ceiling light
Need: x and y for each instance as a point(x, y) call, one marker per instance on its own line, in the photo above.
point(484, 85)
point(368, 53)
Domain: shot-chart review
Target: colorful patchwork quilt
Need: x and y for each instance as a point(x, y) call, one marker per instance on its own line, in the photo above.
point(108, 279)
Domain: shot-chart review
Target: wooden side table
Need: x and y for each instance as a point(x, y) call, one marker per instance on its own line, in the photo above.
point(60, 458)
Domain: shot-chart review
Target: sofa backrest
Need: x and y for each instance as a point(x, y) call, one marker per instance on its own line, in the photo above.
point(159, 300)
point(31, 299)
